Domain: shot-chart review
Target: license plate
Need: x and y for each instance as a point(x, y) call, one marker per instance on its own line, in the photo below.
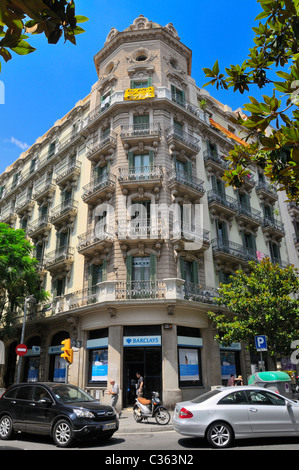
point(106, 427)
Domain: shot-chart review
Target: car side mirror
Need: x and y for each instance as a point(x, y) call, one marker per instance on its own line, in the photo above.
point(288, 403)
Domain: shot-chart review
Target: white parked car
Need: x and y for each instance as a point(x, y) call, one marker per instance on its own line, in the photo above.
point(229, 413)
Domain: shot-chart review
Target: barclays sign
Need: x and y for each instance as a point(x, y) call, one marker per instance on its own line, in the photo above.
point(129, 341)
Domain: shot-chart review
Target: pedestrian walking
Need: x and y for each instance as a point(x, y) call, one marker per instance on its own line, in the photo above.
point(231, 381)
point(114, 392)
point(239, 380)
point(139, 385)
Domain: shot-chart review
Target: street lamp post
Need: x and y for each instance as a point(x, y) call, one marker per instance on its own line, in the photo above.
point(30, 300)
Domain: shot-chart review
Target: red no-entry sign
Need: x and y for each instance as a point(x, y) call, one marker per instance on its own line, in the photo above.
point(21, 349)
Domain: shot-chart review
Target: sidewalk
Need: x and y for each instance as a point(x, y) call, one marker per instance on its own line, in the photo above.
point(127, 424)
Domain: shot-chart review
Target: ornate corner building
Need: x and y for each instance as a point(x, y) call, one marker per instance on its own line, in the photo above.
point(112, 197)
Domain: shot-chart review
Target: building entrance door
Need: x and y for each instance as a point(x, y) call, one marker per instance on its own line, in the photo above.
point(146, 361)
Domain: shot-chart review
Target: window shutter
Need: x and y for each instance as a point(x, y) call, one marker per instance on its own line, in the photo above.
point(195, 272)
point(131, 160)
point(188, 169)
point(151, 158)
point(214, 183)
point(152, 267)
point(129, 264)
point(149, 82)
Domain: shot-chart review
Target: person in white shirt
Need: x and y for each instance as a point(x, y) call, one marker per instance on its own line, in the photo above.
point(114, 392)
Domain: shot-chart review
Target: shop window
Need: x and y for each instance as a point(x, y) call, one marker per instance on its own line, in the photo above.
point(189, 356)
point(98, 357)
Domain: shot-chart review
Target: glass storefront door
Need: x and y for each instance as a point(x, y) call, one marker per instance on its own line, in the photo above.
point(146, 361)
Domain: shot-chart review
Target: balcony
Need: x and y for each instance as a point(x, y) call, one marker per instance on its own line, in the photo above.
point(43, 190)
point(184, 235)
point(95, 240)
point(24, 204)
point(197, 293)
point(8, 217)
point(39, 228)
point(272, 227)
point(179, 140)
point(102, 109)
point(227, 251)
point(221, 203)
point(60, 259)
point(214, 163)
point(138, 229)
point(247, 216)
point(293, 209)
point(103, 146)
point(69, 142)
point(68, 172)
point(148, 133)
point(65, 213)
point(266, 191)
point(147, 176)
point(140, 290)
point(102, 187)
point(183, 183)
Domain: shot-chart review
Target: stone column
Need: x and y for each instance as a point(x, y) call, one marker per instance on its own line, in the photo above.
point(115, 360)
point(170, 377)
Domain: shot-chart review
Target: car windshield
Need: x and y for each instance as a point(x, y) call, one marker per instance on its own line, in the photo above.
point(70, 393)
point(206, 396)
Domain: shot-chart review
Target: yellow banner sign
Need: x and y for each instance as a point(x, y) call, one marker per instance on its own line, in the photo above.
point(139, 93)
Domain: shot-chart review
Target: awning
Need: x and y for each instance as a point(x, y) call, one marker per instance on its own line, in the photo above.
point(229, 134)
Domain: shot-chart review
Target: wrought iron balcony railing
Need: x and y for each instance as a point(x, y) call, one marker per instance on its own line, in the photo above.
point(147, 173)
point(64, 208)
point(187, 179)
point(62, 253)
point(223, 199)
point(188, 139)
point(198, 293)
point(140, 130)
point(139, 290)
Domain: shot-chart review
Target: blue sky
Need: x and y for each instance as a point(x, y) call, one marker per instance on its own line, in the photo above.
point(43, 86)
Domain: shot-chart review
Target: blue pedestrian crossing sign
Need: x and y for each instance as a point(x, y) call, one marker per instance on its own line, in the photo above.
point(261, 343)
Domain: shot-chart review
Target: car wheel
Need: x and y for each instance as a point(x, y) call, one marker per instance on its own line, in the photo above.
point(63, 433)
point(6, 427)
point(220, 435)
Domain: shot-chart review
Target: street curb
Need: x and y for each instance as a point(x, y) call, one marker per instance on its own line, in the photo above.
point(144, 429)
point(127, 424)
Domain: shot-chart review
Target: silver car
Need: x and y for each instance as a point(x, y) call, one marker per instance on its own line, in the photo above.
point(229, 413)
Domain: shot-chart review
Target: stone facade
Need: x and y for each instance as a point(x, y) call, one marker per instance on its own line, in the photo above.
point(120, 273)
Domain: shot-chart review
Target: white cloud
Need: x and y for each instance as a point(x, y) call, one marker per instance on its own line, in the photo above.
point(18, 143)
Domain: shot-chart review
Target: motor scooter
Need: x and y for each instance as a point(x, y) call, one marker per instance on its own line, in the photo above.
point(153, 408)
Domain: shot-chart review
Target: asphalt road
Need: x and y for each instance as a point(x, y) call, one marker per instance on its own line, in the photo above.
point(149, 443)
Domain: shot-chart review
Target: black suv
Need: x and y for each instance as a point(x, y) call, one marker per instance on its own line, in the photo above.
point(62, 411)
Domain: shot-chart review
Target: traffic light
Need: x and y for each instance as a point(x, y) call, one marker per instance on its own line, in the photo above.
point(67, 350)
